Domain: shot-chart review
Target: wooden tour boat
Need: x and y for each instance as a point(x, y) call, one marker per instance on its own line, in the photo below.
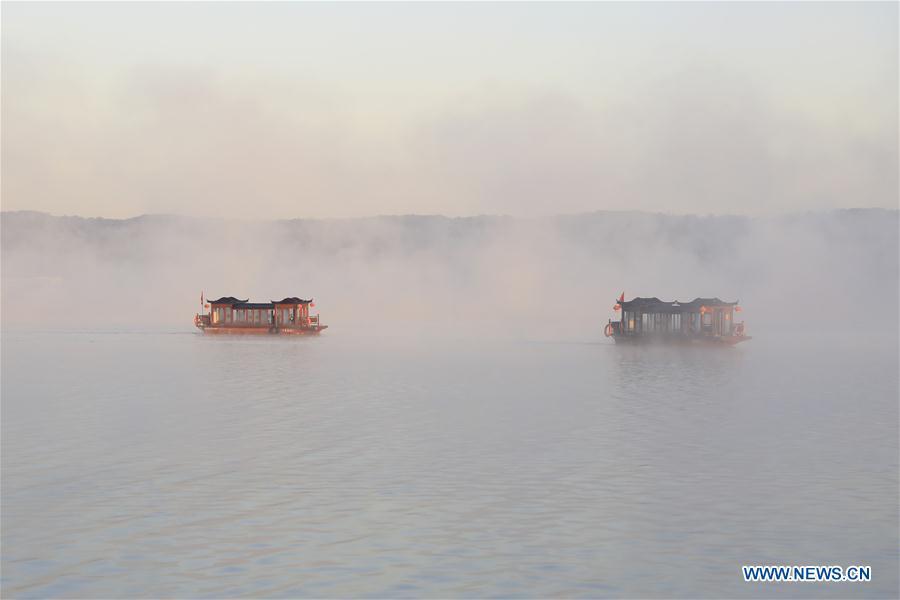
point(702, 320)
point(289, 316)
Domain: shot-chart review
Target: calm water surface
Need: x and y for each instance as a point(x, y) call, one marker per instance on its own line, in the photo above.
point(163, 465)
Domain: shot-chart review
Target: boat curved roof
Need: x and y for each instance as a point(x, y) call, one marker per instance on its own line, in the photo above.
point(245, 303)
point(656, 305)
point(227, 300)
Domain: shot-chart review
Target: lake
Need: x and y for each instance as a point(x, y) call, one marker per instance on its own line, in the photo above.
point(169, 464)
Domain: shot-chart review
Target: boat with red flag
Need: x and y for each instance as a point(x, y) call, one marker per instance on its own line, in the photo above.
point(230, 315)
point(701, 320)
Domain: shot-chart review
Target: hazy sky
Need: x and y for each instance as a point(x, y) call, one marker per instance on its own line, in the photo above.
point(335, 110)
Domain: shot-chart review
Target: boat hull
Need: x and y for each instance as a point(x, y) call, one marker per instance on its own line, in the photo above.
point(263, 330)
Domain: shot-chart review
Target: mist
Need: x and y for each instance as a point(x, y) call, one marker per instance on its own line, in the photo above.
point(347, 111)
point(464, 189)
point(539, 278)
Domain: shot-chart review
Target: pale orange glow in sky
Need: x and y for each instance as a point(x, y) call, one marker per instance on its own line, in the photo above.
point(342, 110)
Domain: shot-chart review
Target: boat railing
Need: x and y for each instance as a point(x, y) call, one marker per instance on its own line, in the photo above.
point(311, 321)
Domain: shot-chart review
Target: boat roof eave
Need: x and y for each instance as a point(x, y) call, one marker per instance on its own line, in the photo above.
point(228, 300)
point(245, 303)
point(674, 305)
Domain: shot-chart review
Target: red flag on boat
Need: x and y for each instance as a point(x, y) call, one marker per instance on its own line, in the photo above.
point(622, 297)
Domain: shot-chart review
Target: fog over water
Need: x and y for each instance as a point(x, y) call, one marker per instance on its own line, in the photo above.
point(463, 429)
point(541, 278)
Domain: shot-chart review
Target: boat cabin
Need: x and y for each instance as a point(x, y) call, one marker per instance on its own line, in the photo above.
point(709, 319)
point(233, 315)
